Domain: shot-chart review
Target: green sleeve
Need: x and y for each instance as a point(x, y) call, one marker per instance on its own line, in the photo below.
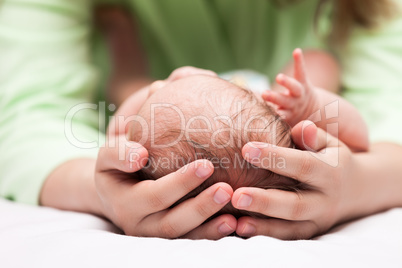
point(372, 79)
point(45, 71)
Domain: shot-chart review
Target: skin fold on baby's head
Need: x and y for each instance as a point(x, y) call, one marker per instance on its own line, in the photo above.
point(203, 117)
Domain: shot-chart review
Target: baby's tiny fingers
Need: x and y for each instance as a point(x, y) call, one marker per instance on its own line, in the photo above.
point(295, 87)
point(285, 115)
point(300, 66)
point(280, 99)
point(277, 228)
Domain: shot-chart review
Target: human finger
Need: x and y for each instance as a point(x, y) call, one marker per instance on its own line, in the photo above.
point(285, 115)
point(214, 229)
point(280, 99)
point(294, 163)
point(299, 66)
point(278, 88)
point(189, 214)
point(160, 194)
point(294, 86)
point(288, 162)
point(122, 155)
point(304, 135)
point(119, 123)
point(277, 228)
point(278, 203)
point(307, 136)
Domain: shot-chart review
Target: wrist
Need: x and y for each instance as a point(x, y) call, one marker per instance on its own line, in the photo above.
point(71, 186)
point(374, 183)
point(313, 106)
point(352, 201)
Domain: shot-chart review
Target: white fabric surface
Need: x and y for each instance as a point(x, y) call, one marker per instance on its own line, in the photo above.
point(45, 237)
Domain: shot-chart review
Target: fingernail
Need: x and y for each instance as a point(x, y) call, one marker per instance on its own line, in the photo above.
point(203, 170)
point(221, 196)
point(248, 230)
point(253, 152)
point(244, 201)
point(225, 229)
point(136, 159)
point(135, 152)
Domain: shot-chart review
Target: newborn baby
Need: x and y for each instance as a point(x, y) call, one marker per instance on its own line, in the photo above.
point(205, 117)
point(191, 117)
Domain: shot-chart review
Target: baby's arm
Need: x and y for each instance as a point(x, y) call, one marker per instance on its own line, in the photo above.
point(329, 111)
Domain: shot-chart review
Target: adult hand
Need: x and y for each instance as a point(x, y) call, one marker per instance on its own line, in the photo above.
point(328, 168)
point(143, 208)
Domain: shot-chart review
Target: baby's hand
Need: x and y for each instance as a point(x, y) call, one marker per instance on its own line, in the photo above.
point(299, 101)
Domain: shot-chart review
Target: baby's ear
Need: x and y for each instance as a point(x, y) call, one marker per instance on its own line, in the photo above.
point(155, 86)
point(189, 71)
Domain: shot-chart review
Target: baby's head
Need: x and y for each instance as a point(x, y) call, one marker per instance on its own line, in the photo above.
point(204, 117)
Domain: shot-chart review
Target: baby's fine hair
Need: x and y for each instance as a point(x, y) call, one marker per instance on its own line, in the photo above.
point(221, 120)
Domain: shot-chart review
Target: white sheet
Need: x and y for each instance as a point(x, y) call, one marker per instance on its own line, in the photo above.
point(44, 237)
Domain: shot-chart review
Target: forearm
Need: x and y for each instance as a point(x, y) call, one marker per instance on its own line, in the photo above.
point(71, 186)
point(377, 180)
point(350, 129)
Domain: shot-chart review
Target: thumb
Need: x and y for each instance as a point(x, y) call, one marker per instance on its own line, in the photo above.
point(307, 136)
point(304, 135)
point(122, 155)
